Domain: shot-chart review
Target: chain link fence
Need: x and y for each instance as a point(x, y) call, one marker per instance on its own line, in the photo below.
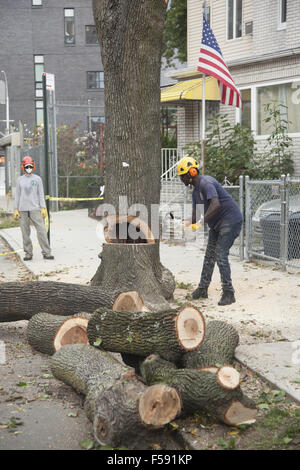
point(273, 220)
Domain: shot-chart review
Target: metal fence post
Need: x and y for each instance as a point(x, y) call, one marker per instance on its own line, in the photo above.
point(283, 223)
point(247, 216)
point(241, 200)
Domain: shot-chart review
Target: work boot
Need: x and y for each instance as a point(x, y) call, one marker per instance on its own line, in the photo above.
point(27, 257)
point(48, 256)
point(227, 298)
point(200, 293)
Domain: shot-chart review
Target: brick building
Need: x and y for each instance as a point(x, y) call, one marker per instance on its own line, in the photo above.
point(57, 37)
point(260, 42)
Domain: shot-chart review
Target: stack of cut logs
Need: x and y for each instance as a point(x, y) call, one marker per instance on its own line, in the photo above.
point(170, 364)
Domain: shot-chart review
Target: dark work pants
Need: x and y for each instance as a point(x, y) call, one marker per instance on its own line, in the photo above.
point(217, 250)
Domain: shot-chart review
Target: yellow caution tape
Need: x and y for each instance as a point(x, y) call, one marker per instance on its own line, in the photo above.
point(73, 198)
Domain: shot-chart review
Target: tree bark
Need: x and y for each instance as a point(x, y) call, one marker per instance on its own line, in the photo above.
point(47, 333)
point(130, 38)
point(22, 300)
point(169, 333)
point(202, 390)
point(121, 407)
point(136, 267)
point(217, 349)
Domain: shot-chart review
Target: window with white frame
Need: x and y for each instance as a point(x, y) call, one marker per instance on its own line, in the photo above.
point(39, 112)
point(245, 118)
point(286, 94)
point(282, 14)
point(234, 19)
point(258, 96)
point(39, 68)
point(69, 19)
point(95, 80)
point(37, 3)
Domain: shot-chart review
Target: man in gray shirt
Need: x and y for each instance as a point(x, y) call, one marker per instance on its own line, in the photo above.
point(30, 206)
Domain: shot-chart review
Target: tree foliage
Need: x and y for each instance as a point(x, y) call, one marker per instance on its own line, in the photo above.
point(229, 150)
point(175, 33)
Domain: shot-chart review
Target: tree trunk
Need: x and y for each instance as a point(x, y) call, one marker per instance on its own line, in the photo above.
point(22, 300)
point(130, 38)
point(218, 393)
point(47, 333)
point(136, 267)
point(169, 333)
point(218, 347)
point(121, 407)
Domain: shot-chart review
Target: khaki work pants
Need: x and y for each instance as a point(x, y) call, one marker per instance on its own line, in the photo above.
point(38, 222)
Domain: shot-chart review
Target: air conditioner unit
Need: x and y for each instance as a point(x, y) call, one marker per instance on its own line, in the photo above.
point(249, 28)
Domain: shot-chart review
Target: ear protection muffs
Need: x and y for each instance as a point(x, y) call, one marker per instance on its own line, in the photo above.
point(193, 172)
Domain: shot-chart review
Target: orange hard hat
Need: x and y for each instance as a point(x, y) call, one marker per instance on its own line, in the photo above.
point(27, 161)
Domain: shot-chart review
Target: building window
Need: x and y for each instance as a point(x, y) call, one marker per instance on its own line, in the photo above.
point(91, 35)
point(246, 112)
point(39, 69)
point(95, 80)
point(282, 14)
point(95, 123)
point(69, 17)
point(37, 3)
point(234, 19)
point(39, 112)
point(287, 94)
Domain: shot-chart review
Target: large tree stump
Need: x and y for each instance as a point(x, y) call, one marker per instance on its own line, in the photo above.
point(122, 408)
point(22, 300)
point(217, 393)
point(169, 333)
point(136, 267)
point(218, 347)
point(47, 333)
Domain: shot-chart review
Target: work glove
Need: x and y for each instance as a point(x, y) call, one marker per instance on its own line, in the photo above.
point(194, 227)
point(44, 212)
point(16, 215)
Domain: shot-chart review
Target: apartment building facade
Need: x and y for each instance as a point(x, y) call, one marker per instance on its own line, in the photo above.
point(260, 42)
point(57, 37)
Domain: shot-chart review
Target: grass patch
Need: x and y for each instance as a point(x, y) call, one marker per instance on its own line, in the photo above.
point(7, 221)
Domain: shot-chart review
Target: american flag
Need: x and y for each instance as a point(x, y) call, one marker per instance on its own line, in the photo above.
point(211, 62)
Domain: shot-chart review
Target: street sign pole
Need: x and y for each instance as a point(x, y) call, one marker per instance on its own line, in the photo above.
point(46, 145)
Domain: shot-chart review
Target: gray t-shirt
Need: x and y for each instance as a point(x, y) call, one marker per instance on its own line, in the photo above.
point(29, 193)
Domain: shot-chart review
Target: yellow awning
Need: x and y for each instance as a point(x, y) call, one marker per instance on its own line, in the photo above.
point(191, 90)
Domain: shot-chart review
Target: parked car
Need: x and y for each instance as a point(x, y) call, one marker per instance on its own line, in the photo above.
point(273, 208)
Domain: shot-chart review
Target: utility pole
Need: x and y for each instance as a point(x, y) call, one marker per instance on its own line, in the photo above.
point(46, 146)
point(7, 103)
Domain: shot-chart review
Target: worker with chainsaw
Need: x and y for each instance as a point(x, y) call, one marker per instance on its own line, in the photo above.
point(224, 218)
point(30, 206)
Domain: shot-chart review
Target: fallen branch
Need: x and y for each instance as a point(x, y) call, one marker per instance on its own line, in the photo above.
point(169, 333)
point(121, 407)
point(217, 393)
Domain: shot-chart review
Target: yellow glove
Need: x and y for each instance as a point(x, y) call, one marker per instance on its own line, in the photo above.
point(194, 227)
point(44, 212)
point(16, 215)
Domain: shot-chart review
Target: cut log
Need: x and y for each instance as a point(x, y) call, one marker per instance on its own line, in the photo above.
point(203, 390)
point(47, 333)
point(169, 333)
point(120, 406)
point(22, 300)
point(136, 267)
point(217, 349)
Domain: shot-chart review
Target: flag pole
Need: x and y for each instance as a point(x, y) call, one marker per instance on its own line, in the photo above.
point(203, 109)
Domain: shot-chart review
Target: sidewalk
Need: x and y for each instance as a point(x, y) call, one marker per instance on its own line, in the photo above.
point(266, 313)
